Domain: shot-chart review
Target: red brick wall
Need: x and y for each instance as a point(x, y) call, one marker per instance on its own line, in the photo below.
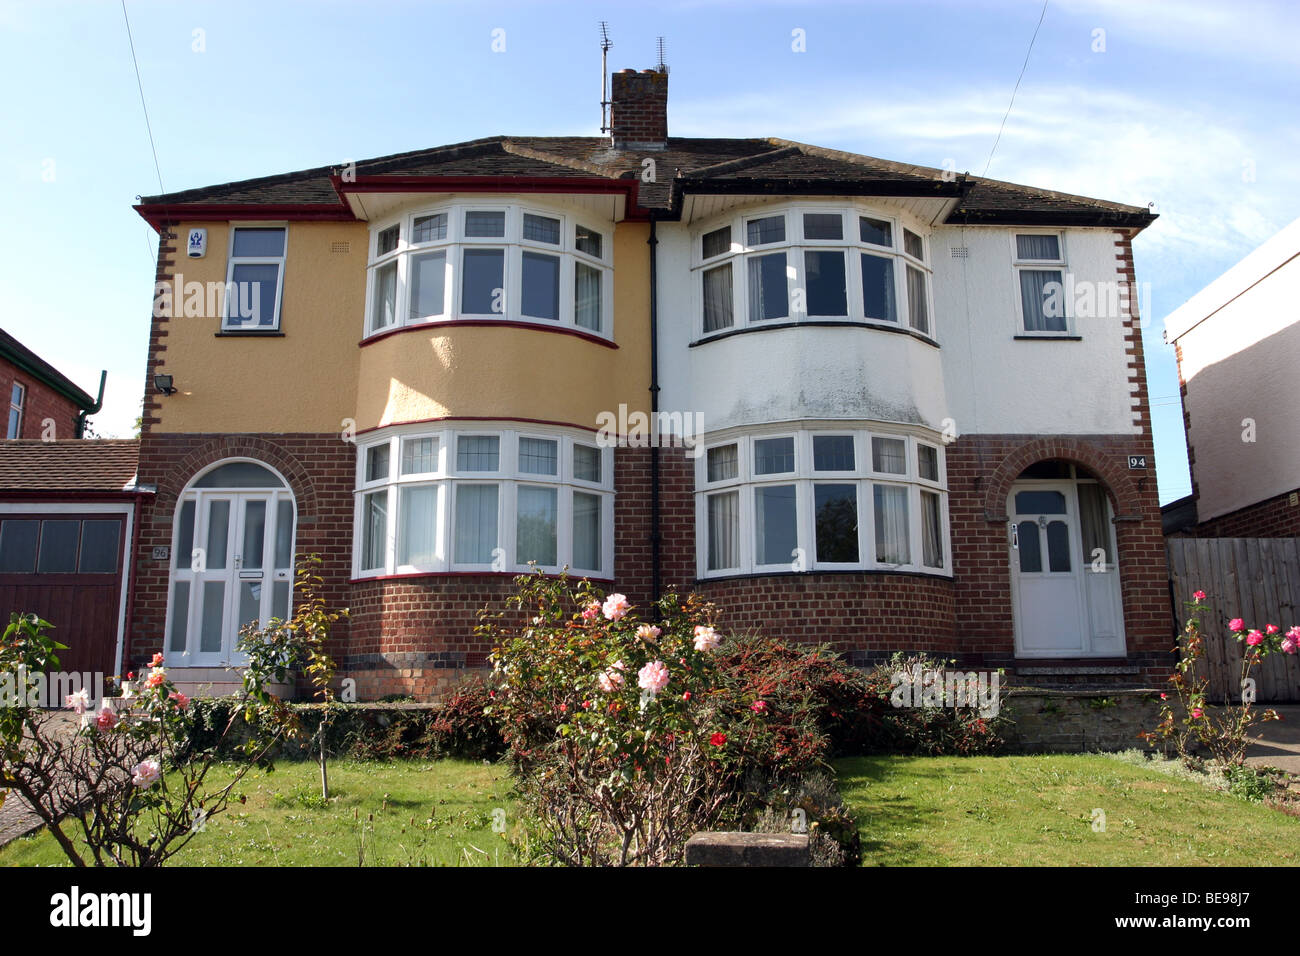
point(639, 107)
point(40, 402)
point(1271, 518)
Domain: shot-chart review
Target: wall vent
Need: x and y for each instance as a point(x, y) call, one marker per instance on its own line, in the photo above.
point(960, 252)
point(340, 247)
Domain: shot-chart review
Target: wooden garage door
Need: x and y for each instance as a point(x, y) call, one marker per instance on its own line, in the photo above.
point(66, 568)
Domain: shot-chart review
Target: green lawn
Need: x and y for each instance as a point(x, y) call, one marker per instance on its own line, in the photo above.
point(1038, 811)
point(402, 813)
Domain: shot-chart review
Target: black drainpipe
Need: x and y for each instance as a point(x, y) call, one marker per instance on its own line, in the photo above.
point(93, 409)
point(653, 242)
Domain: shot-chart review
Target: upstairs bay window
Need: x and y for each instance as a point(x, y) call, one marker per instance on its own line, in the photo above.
point(503, 262)
point(811, 263)
point(835, 500)
point(473, 501)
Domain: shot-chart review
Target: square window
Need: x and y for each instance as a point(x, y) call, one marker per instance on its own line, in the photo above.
point(377, 462)
point(759, 232)
point(836, 510)
point(536, 515)
point(927, 460)
point(717, 299)
point(428, 284)
point(541, 286)
point(722, 463)
point(538, 456)
point(586, 463)
point(541, 229)
point(18, 537)
point(824, 278)
point(1038, 247)
point(833, 453)
point(775, 524)
point(417, 538)
point(878, 298)
point(1042, 301)
point(485, 224)
point(478, 453)
point(717, 242)
point(769, 295)
point(476, 524)
point(259, 243)
point(821, 225)
point(99, 540)
point(429, 228)
point(386, 241)
point(773, 456)
point(58, 546)
point(878, 232)
point(251, 299)
point(889, 456)
point(912, 245)
point(587, 240)
point(482, 283)
point(419, 456)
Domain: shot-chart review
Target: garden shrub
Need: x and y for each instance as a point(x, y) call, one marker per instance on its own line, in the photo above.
point(932, 731)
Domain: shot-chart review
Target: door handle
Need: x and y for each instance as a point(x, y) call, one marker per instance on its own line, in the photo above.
point(1015, 536)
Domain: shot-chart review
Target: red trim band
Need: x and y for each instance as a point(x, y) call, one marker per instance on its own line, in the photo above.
point(468, 574)
point(481, 323)
point(478, 418)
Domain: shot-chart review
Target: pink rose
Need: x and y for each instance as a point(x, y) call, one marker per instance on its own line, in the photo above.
point(157, 661)
point(759, 706)
point(612, 679)
point(1197, 713)
point(615, 607)
point(1291, 643)
point(181, 700)
point(1164, 696)
point(146, 773)
point(653, 677)
point(706, 638)
point(1198, 595)
point(1254, 637)
point(106, 720)
point(1272, 629)
point(1236, 624)
point(157, 677)
point(79, 702)
point(590, 612)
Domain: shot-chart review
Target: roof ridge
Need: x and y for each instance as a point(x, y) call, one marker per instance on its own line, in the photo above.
point(861, 159)
point(543, 156)
point(471, 147)
point(744, 162)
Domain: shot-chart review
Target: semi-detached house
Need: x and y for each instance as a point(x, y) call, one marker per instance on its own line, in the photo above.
point(910, 407)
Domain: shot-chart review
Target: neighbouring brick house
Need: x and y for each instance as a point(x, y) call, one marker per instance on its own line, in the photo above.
point(1237, 343)
point(911, 400)
point(43, 402)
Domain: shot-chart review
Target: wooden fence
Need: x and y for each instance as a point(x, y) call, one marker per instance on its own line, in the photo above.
point(1256, 579)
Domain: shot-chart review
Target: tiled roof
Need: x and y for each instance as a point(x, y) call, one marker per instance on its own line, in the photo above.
point(14, 351)
point(99, 464)
point(685, 165)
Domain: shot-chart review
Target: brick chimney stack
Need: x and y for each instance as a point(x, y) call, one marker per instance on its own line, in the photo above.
point(639, 109)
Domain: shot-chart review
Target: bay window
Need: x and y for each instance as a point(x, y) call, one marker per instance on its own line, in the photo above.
point(811, 262)
point(494, 500)
point(489, 261)
point(832, 500)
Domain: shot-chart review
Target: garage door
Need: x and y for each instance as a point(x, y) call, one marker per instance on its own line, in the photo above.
point(66, 568)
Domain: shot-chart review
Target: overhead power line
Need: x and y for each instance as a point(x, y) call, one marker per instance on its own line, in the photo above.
point(1014, 91)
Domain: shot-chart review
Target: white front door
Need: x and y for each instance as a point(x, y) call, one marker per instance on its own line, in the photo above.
point(1064, 574)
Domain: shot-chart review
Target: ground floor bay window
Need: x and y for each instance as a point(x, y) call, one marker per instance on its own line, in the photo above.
point(231, 561)
point(483, 499)
point(832, 499)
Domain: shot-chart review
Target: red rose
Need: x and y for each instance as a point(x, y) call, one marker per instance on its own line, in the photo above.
point(718, 739)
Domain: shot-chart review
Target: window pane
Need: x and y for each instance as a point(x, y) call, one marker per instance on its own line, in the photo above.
point(417, 539)
point(18, 545)
point(1058, 546)
point(768, 229)
point(769, 297)
point(931, 530)
point(717, 298)
point(218, 535)
point(180, 617)
point(541, 286)
point(717, 242)
point(892, 542)
point(538, 456)
point(384, 308)
point(587, 298)
point(535, 525)
point(280, 600)
point(386, 241)
point(252, 299)
point(481, 289)
point(833, 453)
point(1038, 247)
point(15, 422)
point(889, 455)
point(775, 535)
point(773, 456)
point(1040, 503)
point(239, 474)
point(819, 225)
point(588, 241)
point(490, 224)
point(541, 229)
point(184, 552)
point(476, 523)
point(723, 463)
point(284, 535)
point(724, 531)
point(927, 458)
point(824, 276)
point(878, 299)
point(586, 463)
point(377, 462)
point(250, 603)
point(16, 396)
point(1031, 557)
point(254, 534)
point(374, 530)
point(478, 453)
point(1094, 531)
point(878, 232)
point(837, 522)
point(912, 245)
point(419, 456)
point(259, 243)
point(99, 547)
point(586, 531)
point(918, 309)
point(1042, 300)
point(428, 284)
point(212, 617)
point(429, 228)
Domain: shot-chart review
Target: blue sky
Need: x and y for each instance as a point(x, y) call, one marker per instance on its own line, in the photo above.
point(1190, 105)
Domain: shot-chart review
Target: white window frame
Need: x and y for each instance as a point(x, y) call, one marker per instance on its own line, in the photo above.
point(232, 261)
point(512, 244)
point(1041, 265)
point(795, 245)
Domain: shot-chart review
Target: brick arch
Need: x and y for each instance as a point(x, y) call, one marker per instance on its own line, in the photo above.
point(241, 446)
point(1116, 480)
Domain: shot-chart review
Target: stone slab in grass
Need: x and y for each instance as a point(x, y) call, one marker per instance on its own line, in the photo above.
point(729, 848)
